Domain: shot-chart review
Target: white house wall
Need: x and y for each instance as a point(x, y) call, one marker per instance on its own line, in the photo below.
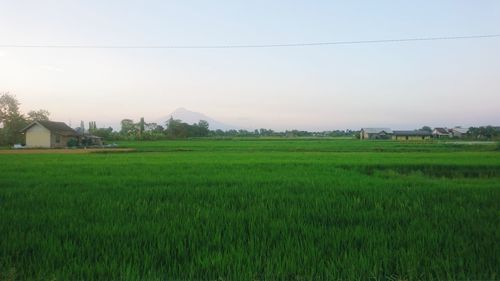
point(38, 136)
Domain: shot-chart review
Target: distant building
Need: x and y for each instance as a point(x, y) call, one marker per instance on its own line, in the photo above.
point(48, 134)
point(441, 133)
point(375, 133)
point(458, 132)
point(387, 133)
point(412, 135)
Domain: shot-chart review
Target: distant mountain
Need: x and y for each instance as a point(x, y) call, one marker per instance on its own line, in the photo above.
point(191, 117)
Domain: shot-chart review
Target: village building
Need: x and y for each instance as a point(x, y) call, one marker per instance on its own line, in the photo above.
point(90, 140)
point(436, 133)
point(48, 134)
point(439, 133)
point(412, 135)
point(459, 132)
point(375, 133)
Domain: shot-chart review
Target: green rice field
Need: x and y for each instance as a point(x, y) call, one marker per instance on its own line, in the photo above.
point(250, 209)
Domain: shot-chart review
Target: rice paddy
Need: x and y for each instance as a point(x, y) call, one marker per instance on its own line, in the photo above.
point(275, 209)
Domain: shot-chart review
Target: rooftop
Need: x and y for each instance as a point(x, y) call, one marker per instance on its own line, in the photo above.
point(377, 130)
point(55, 127)
point(412, 133)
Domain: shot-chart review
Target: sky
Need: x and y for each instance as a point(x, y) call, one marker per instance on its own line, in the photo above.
point(401, 85)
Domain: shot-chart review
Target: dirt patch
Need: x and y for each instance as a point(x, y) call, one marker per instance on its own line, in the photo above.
point(65, 151)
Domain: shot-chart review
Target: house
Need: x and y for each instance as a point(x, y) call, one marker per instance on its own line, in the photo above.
point(411, 135)
point(441, 133)
point(48, 134)
point(459, 132)
point(90, 140)
point(375, 133)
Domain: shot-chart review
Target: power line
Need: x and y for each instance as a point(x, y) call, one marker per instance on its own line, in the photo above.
point(250, 46)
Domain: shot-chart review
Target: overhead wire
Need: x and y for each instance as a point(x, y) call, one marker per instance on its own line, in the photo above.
point(306, 44)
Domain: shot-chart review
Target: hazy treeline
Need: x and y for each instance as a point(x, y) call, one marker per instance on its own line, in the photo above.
point(174, 129)
point(287, 133)
point(484, 132)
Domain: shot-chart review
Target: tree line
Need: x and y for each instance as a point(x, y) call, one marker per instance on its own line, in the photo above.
point(172, 129)
point(12, 121)
point(484, 132)
point(177, 129)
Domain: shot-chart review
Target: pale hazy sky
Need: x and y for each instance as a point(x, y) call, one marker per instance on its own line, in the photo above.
point(399, 85)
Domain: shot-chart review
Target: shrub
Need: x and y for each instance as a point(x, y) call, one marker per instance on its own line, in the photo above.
point(72, 143)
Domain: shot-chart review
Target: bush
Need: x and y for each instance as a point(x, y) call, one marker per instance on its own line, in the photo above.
point(72, 143)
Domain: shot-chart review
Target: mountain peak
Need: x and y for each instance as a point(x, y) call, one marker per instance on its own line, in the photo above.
point(182, 109)
point(192, 117)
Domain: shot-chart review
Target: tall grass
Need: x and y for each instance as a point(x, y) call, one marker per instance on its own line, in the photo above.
point(251, 211)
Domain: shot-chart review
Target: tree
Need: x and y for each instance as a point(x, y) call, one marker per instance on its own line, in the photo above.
point(128, 127)
point(11, 120)
point(426, 128)
point(172, 127)
point(153, 127)
point(106, 133)
point(487, 132)
point(92, 127)
point(9, 106)
point(141, 127)
point(38, 115)
point(82, 127)
point(266, 132)
point(202, 128)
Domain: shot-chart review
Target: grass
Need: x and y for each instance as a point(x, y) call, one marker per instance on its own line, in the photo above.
point(253, 210)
